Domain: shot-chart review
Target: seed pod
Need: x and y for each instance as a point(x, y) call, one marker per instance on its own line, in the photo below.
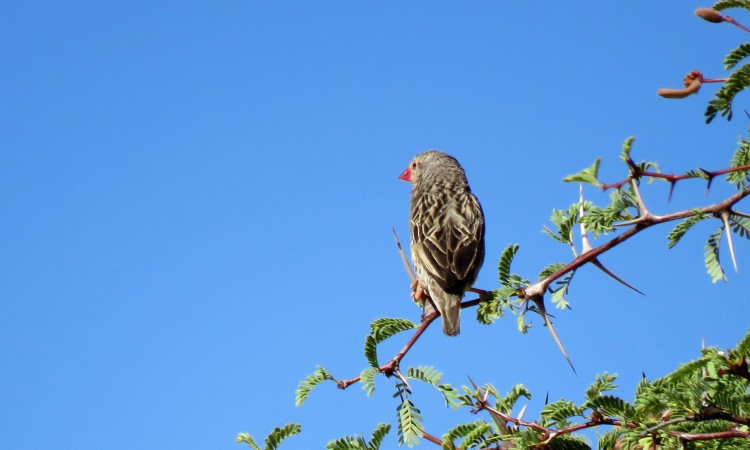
point(709, 15)
point(692, 83)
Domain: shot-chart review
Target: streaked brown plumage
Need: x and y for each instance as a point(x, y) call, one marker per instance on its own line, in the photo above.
point(447, 232)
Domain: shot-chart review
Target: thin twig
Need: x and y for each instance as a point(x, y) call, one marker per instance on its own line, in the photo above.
point(433, 439)
point(673, 178)
point(405, 261)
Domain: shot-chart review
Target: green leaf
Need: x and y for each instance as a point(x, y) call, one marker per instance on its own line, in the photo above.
point(722, 101)
point(711, 257)
point(347, 443)
point(247, 439)
point(476, 436)
point(608, 440)
point(743, 348)
point(561, 289)
point(688, 369)
point(598, 220)
point(721, 5)
point(425, 373)
point(740, 225)
point(521, 324)
point(550, 269)
point(463, 430)
point(736, 55)
point(602, 383)
point(505, 404)
point(559, 412)
point(626, 147)
point(431, 376)
point(312, 380)
point(569, 442)
point(367, 378)
point(385, 327)
point(409, 423)
point(697, 173)
point(492, 305)
point(503, 267)
point(377, 436)
point(589, 175)
point(741, 158)
point(371, 351)
point(279, 434)
point(380, 330)
point(565, 221)
point(612, 406)
point(679, 231)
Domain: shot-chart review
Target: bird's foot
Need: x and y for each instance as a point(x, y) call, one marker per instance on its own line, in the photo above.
point(418, 293)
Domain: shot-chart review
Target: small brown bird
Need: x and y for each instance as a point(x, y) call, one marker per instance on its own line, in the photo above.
point(447, 233)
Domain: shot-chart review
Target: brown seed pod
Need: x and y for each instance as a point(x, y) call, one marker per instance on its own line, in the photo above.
point(692, 83)
point(709, 15)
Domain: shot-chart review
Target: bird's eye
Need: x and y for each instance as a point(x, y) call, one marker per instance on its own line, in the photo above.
point(413, 165)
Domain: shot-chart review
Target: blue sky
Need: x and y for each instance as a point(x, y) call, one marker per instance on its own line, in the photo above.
point(198, 200)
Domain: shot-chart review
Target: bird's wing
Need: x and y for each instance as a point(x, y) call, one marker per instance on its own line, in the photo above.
point(449, 243)
point(468, 251)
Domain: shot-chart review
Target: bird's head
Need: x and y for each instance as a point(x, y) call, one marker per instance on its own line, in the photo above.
point(431, 162)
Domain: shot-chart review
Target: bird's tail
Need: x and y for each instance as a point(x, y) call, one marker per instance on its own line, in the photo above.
point(450, 309)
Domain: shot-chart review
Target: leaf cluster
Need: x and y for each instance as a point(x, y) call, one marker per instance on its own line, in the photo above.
point(700, 401)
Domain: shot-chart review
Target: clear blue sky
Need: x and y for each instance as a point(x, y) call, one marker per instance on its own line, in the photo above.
point(198, 199)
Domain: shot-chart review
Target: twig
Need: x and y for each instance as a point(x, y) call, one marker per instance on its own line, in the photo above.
point(433, 439)
point(405, 261)
point(733, 433)
point(673, 178)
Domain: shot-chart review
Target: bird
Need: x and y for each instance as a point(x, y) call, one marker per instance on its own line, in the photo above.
point(446, 224)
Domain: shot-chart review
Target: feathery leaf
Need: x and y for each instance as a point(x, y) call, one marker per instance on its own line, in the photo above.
point(736, 55)
point(679, 231)
point(409, 423)
point(722, 101)
point(377, 436)
point(247, 439)
point(721, 5)
point(385, 327)
point(711, 257)
point(503, 267)
point(627, 146)
point(371, 351)
point(367, 378)
point(279, 434)
point(312, 380)
point(588, 175)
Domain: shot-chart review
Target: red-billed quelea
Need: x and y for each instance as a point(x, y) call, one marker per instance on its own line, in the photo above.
point(447, 233)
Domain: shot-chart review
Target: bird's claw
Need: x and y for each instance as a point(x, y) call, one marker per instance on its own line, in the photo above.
point(417, 292)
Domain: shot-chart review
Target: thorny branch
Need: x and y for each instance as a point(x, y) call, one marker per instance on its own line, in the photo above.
point(708, 175)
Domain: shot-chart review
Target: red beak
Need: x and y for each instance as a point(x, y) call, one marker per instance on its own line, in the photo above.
point(406, 175)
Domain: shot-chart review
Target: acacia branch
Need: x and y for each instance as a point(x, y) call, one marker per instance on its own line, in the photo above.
point(540, 287)
point(671, 177)
point(733, 433)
